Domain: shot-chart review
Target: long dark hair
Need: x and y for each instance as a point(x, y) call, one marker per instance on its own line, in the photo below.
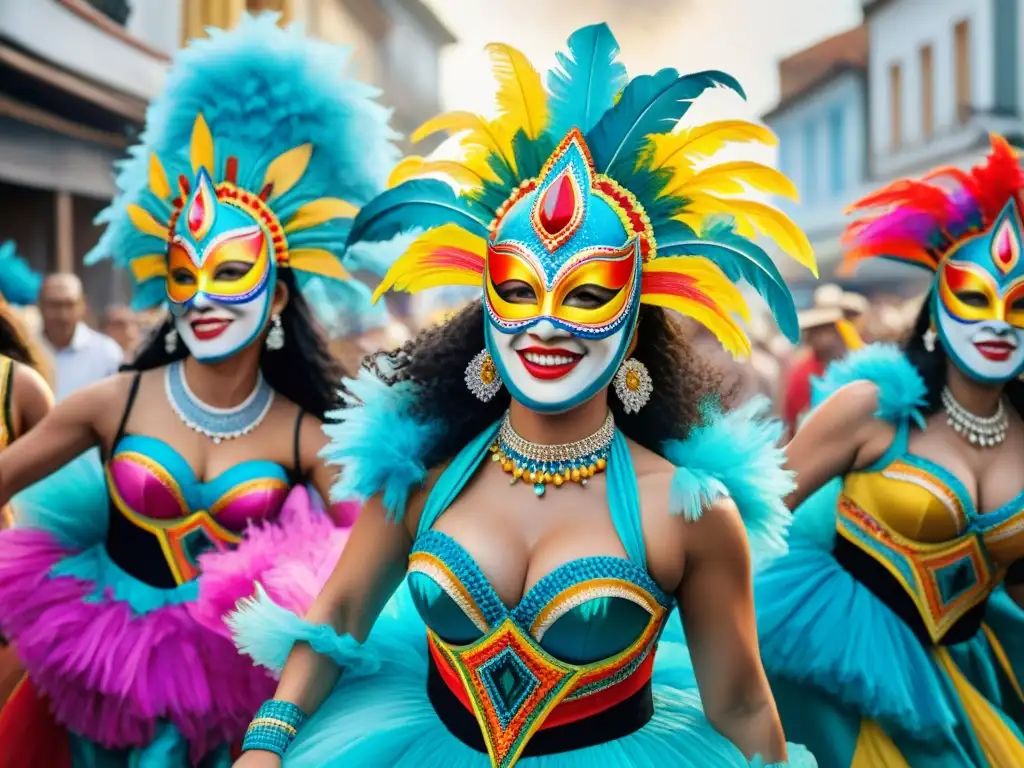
point(303, 370)
point(14, 342)
point(436, 361)
point(932, 365)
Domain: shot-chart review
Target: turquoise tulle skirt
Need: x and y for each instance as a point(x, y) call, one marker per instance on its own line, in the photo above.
point(386, 719)
point(852, 681)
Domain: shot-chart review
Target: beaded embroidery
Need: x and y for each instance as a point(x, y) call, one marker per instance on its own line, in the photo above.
point(513, 684)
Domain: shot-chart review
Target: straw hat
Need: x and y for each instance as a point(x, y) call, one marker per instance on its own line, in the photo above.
point(826, 310)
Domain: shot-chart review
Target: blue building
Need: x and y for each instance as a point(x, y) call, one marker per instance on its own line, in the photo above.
point(918, 85)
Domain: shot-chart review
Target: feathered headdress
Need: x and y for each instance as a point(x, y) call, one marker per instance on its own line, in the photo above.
point(919, 222)
point(19, 283)
point(257, 121)
point(591, 159)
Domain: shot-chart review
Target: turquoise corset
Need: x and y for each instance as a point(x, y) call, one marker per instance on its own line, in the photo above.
point(586, 629)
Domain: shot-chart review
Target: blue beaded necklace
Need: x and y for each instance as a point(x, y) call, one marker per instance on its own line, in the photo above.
point(218, 424)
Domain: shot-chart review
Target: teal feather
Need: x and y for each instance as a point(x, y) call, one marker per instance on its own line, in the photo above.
point(19, 283)
point(266, 633)
point(370, 466)
point(584, 85)
point(902, 393)
point(739, 258)
point(650, 104)
point(494, 193)
point(416, 204)
point(531, 154)
point(735, 454)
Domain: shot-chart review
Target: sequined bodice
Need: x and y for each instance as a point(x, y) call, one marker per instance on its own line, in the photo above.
point(918, 521)
point(163, 517)
point(583, 612)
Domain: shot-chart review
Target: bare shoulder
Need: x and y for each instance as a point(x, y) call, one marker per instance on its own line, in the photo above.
point(418, 499)
point(664, 533)
point(719, 533)
point(852, 403)
point(28, 382)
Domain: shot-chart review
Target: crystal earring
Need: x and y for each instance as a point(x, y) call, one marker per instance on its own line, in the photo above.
point(482, 377)
point(633, 385)
point(275, 336)
point(171, 341)
point(929, 339)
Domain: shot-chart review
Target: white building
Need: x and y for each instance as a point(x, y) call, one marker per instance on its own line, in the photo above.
point(930, 81)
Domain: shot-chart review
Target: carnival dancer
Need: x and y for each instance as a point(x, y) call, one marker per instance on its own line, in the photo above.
point(880, 631)
point(238, 199)
point(587, 219)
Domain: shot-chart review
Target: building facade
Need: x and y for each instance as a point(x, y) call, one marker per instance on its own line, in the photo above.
point(75, 77)
point(930, 82)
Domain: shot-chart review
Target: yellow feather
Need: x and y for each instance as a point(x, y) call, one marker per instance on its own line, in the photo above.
point(147, 267)
point(683, 148)
point(751, 217)
point(158, 183)
point(409, 273)
point(732, 179)
point(726, 330)
point(458, 171)
point(201, 147)
point(481, 137)
point(317, 261)
point(317, 212)
point(286, 169)
point(522, 100)
point(709, 279)
point(850, 335)
point(146, 223)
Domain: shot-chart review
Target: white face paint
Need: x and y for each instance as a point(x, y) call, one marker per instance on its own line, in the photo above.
point(989, 351)
point(214, 331)
point(550, 370)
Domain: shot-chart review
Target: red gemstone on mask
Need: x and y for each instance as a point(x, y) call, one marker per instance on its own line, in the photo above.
point(558, 205)
point(1004, 245)
point(196, 214)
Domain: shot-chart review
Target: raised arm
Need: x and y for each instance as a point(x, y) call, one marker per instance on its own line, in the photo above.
point(717, 605)
point(840, 435)
point(71, 428)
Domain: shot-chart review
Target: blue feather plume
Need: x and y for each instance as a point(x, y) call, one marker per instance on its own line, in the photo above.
point(19, 283)
point(649, 104)
point(588, 78)
point(739, 258)
point(417, 204)
point(262, 90)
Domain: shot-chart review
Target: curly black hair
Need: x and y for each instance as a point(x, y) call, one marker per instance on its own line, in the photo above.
point(932, 365)
point(304, 370)
point(436, 361)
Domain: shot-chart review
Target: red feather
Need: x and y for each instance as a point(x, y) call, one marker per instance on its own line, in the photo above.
point(455, 258)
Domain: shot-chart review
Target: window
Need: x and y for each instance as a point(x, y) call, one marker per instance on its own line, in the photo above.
point(836, 151)
point(896, 106)
point(927, 93)
point(962, 69)
point(810, 163)
point(115, 10)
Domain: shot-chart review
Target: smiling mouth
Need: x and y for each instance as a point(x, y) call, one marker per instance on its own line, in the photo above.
point(209, 329)
point(548, 364)
point(996, 351)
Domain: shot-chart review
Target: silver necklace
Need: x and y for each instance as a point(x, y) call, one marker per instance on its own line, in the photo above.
point(218, 424)
point(984, 431)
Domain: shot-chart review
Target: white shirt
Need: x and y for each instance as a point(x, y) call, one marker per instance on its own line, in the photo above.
point(89, 357)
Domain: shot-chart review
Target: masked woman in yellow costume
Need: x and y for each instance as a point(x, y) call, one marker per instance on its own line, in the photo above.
point(549, 467)
point(883, 631)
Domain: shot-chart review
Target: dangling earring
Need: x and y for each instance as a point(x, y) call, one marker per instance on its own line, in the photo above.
point(275, 337)
point(171, 341)
point(633, 385)
point(929, 339)
point(482, 377)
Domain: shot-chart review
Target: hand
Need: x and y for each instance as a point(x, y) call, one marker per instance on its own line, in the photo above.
point(257, 758)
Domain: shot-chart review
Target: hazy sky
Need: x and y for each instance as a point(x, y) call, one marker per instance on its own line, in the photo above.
point(743, 37)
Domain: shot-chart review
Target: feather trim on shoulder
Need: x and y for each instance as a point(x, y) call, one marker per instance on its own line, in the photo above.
point(735, 454)
point(902, 393)
point(378, 443)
